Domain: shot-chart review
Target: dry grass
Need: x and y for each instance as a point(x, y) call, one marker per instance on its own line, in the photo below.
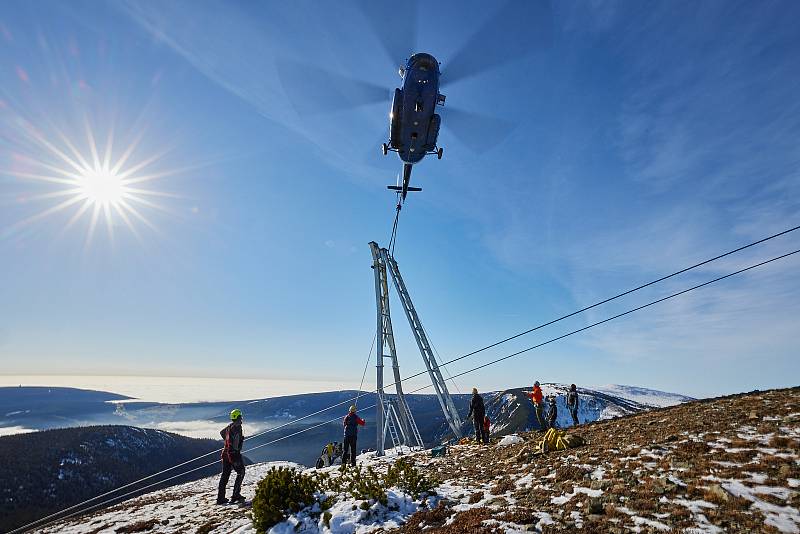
point(207, 527)
point(570, 472)
point(428, 520)
point(503, 485)
point(139, 526)
point(475, 497)
point(780, 442)
point(692, 448)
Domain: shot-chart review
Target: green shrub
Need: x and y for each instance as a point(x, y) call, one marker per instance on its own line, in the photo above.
point(286, 491)
point(365, 485)
point(282, 492)
point(404, 475)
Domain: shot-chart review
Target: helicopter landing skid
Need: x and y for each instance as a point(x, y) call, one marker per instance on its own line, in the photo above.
point(437, 151)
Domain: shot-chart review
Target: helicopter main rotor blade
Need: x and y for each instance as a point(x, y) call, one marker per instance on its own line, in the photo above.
point(477, 132)
point(514, 31)
point(395, 29)
point(313, 90)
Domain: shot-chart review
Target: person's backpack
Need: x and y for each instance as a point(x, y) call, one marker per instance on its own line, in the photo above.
point(226, 449)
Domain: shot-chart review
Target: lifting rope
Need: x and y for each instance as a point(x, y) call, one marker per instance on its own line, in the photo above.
point(393, 238)
point(53, 517)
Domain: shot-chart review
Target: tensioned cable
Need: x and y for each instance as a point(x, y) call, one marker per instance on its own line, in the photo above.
point(492, 362)
point(366, 365)
point(438, 358)
point(623, 314)
point(444, 364)
point(606, 301)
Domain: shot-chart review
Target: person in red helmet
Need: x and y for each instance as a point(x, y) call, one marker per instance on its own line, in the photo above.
point(572, 403)
point(537, 399)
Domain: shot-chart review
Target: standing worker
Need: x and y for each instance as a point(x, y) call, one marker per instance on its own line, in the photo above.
point(552, 412)
point(536, 398)
point(350, 423)
point(232, 459)
point(572, 403)
point(477, 411)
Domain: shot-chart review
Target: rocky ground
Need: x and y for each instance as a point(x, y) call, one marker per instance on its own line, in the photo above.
point(720, 465)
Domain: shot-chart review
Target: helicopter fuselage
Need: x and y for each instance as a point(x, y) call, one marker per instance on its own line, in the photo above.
point(413, 121)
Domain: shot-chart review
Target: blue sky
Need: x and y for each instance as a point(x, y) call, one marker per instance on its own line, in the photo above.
point(644, 139)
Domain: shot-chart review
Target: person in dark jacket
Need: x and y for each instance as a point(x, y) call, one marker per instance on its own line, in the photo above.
point(232, 458)
point(572, 403)
point(552, 412)
point(477, 411)
point(351, 423)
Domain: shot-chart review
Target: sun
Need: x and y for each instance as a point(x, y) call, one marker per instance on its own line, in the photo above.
point(102, 187)
point(91, 183)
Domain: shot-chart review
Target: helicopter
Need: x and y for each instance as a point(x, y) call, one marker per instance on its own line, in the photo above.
point(515, 30)
point(413, 121)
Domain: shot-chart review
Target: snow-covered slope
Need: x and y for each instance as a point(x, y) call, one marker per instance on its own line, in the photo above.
point(723, 465)
point(647, 397)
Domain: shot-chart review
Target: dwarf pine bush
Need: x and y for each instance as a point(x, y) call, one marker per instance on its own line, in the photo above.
point(359, 484)
point(282, 492)
point(404, 475)
point(286, 491)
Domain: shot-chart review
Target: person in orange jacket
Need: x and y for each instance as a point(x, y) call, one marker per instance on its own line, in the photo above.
point(537, 398)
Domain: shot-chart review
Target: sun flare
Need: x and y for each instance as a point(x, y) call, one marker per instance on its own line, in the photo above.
point(91, 183)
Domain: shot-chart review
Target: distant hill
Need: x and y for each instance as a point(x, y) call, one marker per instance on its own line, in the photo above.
point(42, 472)
point(38, 408)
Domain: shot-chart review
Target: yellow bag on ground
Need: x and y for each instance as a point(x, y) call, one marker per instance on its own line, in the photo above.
point(558, 440)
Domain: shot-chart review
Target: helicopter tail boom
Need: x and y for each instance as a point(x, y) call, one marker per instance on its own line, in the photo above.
point(404, 189)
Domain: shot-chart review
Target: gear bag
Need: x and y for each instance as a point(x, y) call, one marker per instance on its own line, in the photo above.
point(558, 440)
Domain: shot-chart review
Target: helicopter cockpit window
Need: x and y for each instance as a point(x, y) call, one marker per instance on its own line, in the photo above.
point(425, 63)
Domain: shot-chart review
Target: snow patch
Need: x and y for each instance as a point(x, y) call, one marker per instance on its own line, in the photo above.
point(511, 439)
point(16, 429)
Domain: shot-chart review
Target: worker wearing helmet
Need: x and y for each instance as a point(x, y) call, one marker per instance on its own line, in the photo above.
point(232, 458)
point(351, 423)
